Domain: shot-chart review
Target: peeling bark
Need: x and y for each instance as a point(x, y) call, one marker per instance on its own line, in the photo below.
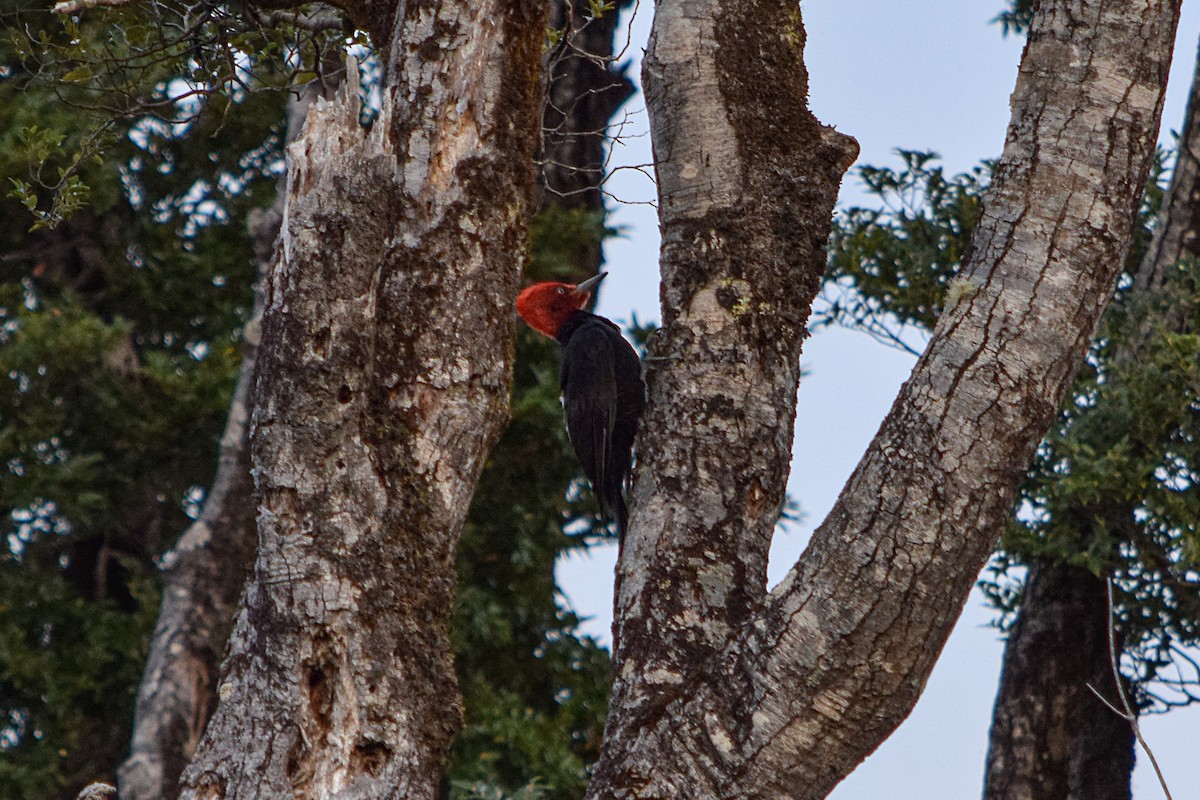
point(1051, 738)
point(382, 384)
point(723, 690)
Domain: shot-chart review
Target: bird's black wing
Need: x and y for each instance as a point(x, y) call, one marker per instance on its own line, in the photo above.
point(589, 394)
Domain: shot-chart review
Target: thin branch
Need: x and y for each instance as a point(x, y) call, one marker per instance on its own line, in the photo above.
point(316, 23)
point(1129, 715)
point(75, 6)
point(621, 201)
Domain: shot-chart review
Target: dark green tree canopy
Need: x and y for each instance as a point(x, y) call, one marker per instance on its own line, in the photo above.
point(138, 140)
point(121, 335)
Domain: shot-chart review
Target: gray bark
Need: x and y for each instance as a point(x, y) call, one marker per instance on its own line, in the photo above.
point(1051, 738)
point(383, 381)
point(1178, 233)
point(205, 571)
point(722, 689)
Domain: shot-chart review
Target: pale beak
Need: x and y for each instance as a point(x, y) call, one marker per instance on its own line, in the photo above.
point(589, 284)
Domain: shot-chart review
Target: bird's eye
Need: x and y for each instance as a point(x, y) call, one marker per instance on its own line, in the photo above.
point(561, 290)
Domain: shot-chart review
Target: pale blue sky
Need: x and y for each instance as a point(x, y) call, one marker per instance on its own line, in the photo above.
point(923, 75)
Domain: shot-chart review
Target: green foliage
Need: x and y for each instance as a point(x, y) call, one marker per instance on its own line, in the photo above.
point(120, 340)
point(70, 669)
point(1112, 488)
point(484, 791)
point(889, 267)
point(146, 69)
point(100, 459)
point(560, 238)
point(598, 8)
point(535, 690)
point(1016, 18)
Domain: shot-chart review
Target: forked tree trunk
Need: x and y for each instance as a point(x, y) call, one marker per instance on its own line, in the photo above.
point(385, 351)
point(722, 689)
point(383, 381)
point(1051, 738)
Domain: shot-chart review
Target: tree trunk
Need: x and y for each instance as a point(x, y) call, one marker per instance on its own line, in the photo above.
point(383, 381)
point(204, 575)
point(723, 690)
point(1043, 746)
point(1178, 234)
point(1052, 739)
point(206, 570)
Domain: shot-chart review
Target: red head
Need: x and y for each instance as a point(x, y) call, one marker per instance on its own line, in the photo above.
point(546, 306)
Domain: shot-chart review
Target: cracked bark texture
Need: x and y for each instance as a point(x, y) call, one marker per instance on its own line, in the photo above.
point(205, 571)
point(724, 690)
point(747, 179)
point(382, 384)
point(1051, 738)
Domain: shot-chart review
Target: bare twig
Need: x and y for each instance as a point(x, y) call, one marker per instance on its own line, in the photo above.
point(873, 321)
point(1127, 714)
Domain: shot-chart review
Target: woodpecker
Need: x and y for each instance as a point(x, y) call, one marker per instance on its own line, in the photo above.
point(601, 381)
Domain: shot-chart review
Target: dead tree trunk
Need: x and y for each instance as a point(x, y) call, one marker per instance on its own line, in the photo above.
point(383, 381)
point(723, 690)
point(1051, 738)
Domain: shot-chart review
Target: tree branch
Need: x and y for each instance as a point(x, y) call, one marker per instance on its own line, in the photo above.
point(886, 575)
point(1178, 233)
point(722, 691)
point(1128, 714)
point(313, 23)
point(76, 6)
